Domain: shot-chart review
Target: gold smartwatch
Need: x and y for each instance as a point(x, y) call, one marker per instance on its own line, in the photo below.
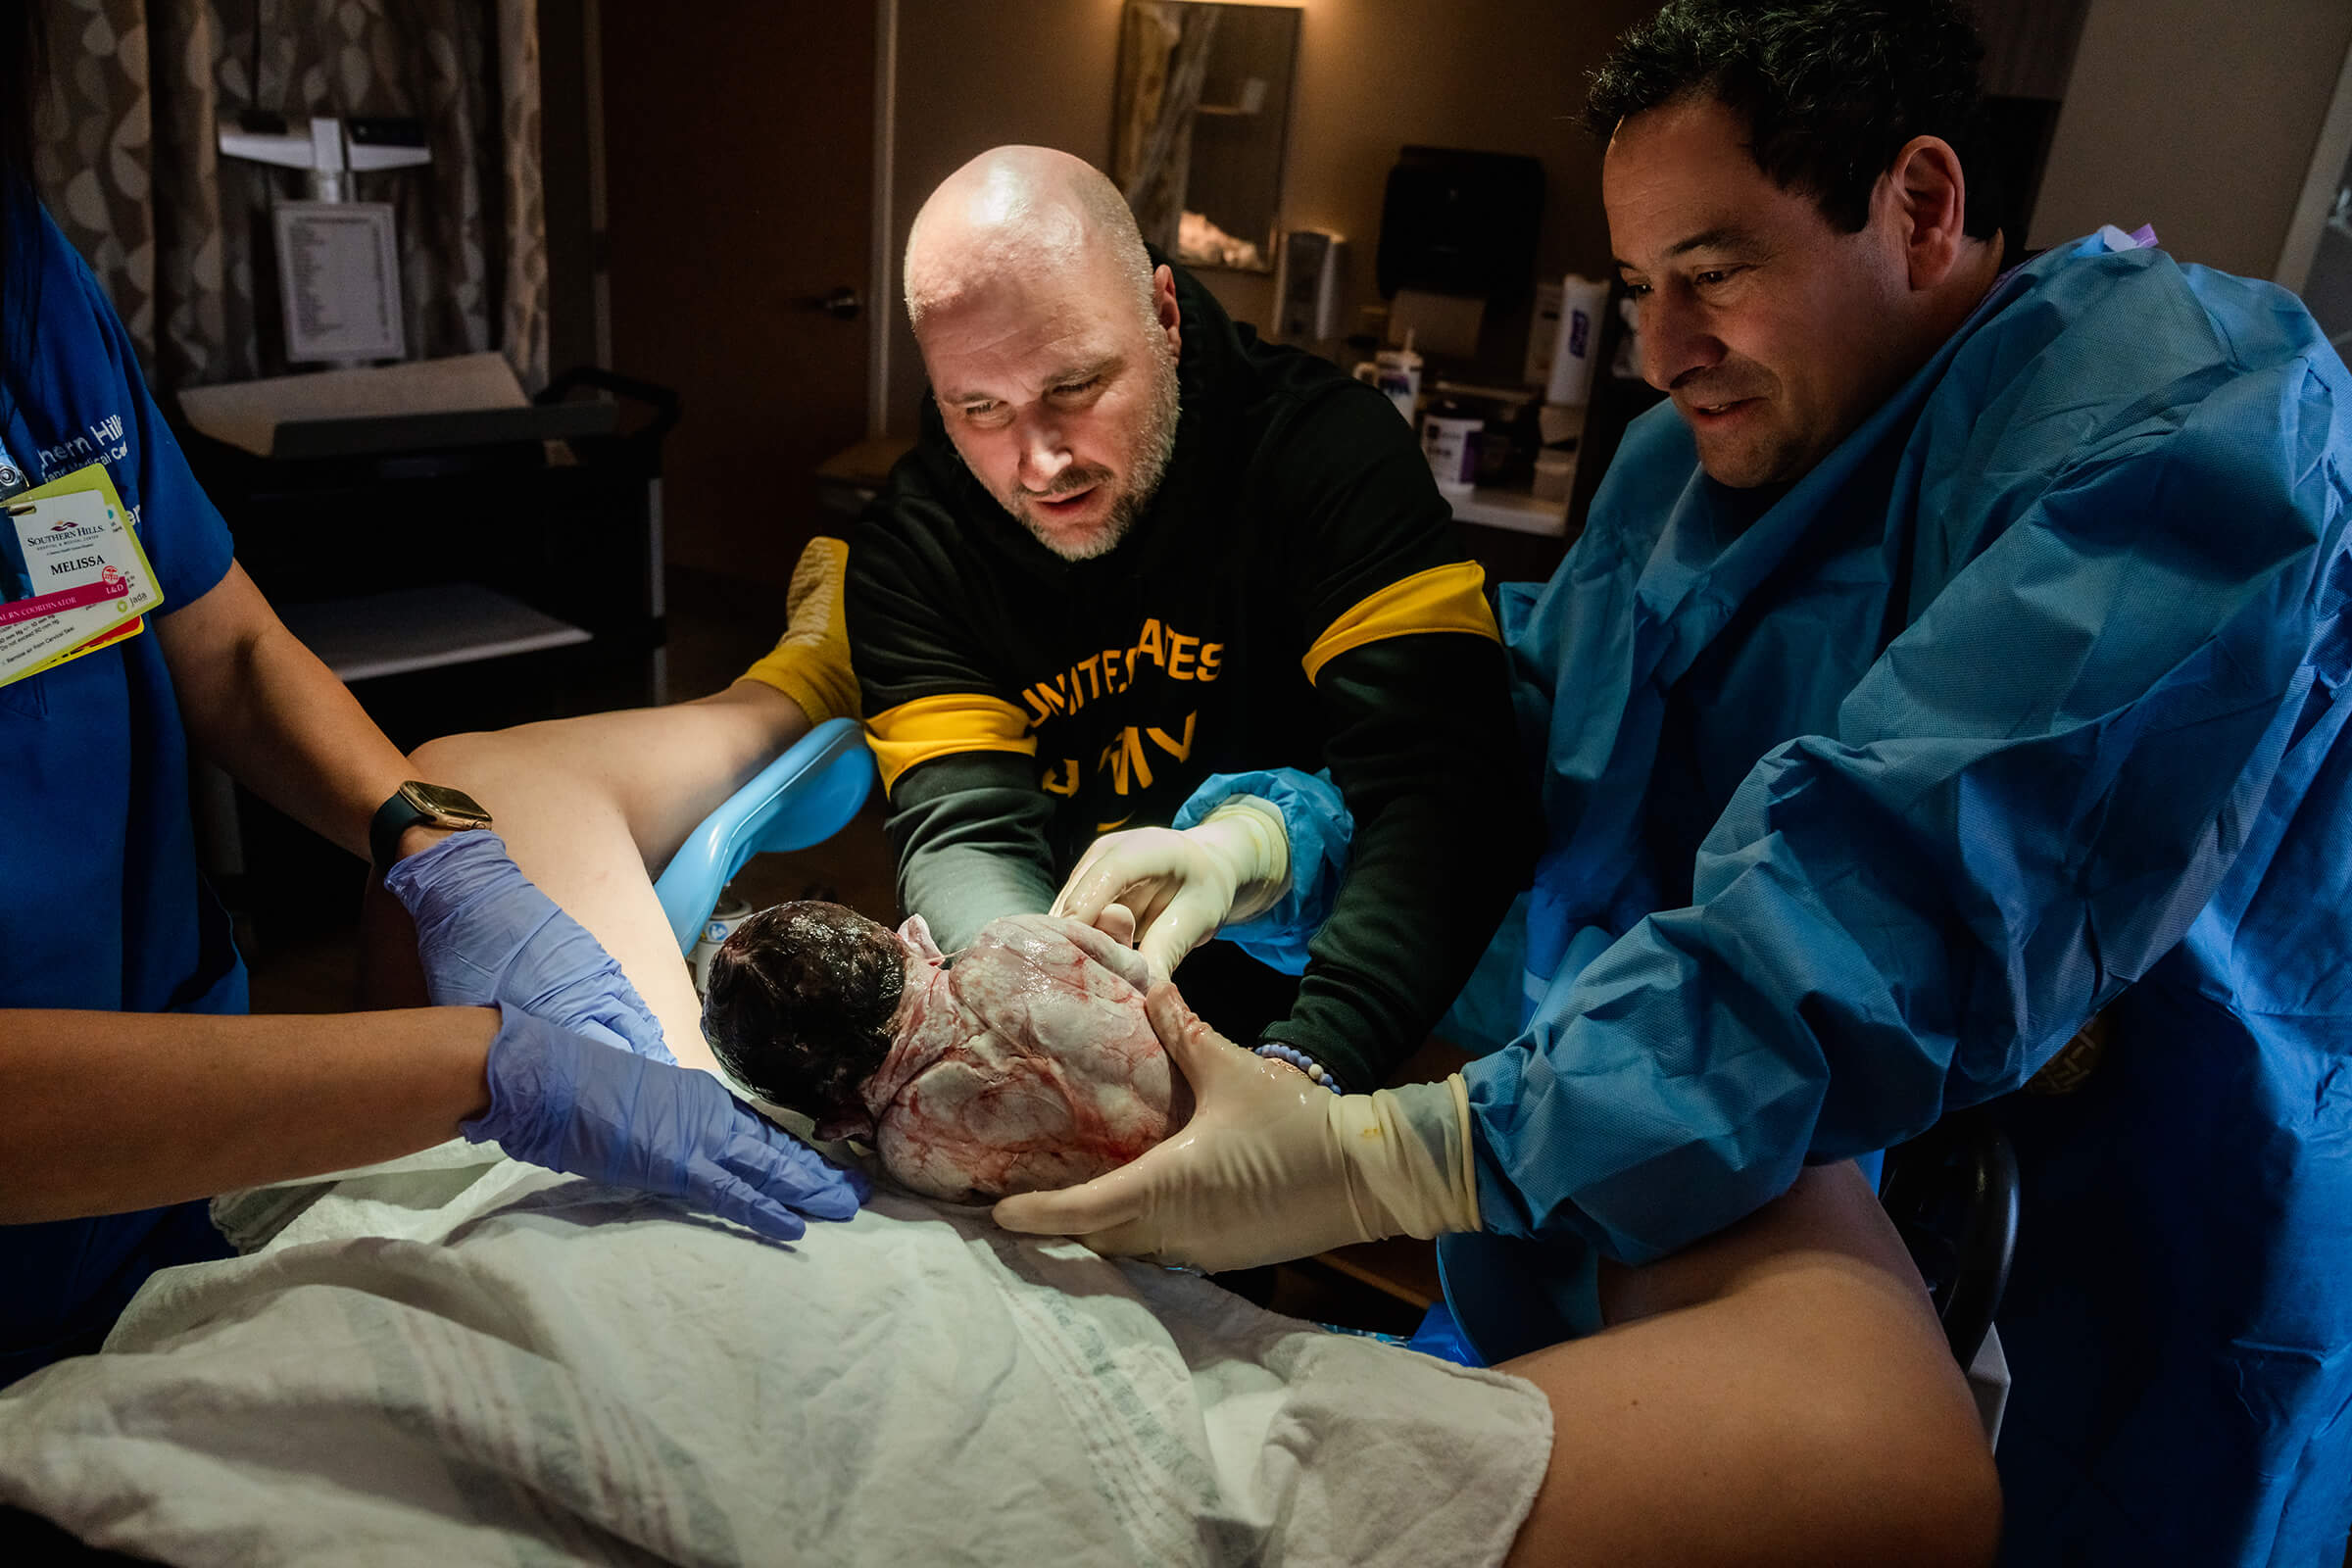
point(417, 804)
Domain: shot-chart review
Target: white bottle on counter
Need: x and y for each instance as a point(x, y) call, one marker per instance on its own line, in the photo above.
point(1398, 374)
point(1582, 302)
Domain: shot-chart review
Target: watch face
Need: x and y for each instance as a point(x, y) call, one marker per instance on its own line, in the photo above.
point(449, 807)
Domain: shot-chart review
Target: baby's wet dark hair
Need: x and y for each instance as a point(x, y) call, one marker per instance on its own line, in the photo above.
point(799, 1005)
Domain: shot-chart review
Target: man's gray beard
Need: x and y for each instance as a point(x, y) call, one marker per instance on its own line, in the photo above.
point(1157, 448)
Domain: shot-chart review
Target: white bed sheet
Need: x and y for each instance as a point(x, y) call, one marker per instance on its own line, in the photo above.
point(452, 1364)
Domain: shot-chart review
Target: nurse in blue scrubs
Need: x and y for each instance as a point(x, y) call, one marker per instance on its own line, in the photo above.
point(1963, 654)
point(131, 1083)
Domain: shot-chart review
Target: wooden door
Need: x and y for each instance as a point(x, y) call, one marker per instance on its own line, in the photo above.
point(739, 189)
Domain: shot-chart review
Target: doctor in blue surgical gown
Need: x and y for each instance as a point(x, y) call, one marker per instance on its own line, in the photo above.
point(2025, 704)
point(1962, 658)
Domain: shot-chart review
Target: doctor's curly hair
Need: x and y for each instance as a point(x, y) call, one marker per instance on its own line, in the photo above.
point(1830, 90)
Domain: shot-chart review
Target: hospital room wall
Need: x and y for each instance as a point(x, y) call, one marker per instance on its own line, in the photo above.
point(1500, 76)
point(2198, 116)
point(1497, 75)
point(970, 77)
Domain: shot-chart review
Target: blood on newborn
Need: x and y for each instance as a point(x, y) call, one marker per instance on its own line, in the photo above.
point(1025, 1063)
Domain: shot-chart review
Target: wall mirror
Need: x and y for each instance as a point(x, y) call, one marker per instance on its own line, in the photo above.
point(1200, 118)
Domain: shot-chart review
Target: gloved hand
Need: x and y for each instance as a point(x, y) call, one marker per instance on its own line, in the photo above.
point(1271, 1167)
point(1107, 950)
point(573, 1103)
point(1182, 885)
point(486, 935)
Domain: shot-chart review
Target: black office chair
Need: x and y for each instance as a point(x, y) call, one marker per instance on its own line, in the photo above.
point(1952, 1195)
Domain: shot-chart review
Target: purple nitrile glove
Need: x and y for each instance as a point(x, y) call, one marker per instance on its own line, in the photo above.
point(574, 1104)
point(486, 935)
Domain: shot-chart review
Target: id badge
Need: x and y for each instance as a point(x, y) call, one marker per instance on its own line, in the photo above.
point(79, 579)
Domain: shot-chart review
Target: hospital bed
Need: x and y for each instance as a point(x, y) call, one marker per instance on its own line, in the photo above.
point(458, 1358)
point(1953, 1193)
point(805, 796)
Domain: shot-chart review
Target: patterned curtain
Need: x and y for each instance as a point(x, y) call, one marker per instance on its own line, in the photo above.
point(129, 165)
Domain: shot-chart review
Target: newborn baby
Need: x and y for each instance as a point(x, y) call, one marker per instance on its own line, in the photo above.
point(1026, 1063)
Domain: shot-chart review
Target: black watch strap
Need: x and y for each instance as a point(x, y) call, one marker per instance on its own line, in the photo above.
point(413, 804)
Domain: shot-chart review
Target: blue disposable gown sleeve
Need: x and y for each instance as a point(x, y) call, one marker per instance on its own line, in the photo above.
point(1484, 1017)
point(1316, 821)
point(2027, 798)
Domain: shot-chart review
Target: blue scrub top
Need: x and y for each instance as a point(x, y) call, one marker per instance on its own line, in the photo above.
point(103, 908)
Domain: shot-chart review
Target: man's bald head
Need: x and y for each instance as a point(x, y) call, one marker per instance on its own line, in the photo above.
point(1052, 343)
point(1027, 213)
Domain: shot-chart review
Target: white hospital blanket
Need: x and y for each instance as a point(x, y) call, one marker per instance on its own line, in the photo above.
point(492, 1365)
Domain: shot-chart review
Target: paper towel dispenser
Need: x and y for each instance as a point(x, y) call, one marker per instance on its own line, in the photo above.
point(1461, 222)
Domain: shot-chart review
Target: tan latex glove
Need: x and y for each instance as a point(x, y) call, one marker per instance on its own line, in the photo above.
point(1271, 1167)
point(1182, 886)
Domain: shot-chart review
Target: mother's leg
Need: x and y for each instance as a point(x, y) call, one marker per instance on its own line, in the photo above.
point(593, 807)
point(1779, 1392)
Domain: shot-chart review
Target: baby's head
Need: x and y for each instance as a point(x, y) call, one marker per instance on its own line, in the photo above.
point(800, 1002)
point(1030, 1064)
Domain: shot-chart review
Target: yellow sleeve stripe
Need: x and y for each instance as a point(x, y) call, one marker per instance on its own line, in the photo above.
point(940, 726)
point(1441, 598)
